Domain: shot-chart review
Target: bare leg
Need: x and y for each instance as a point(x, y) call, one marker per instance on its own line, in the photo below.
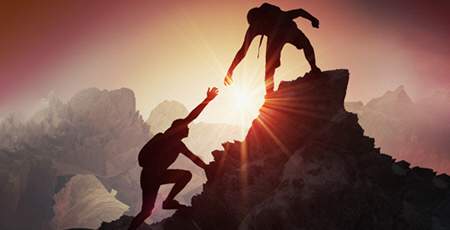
point(273, 56)
point(148, 201)
point(269, 80)
point(302, 42)
point(310, 56)
point(177, 176)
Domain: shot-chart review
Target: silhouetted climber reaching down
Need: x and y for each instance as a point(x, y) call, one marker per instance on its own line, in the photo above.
point(280, 28)
point(158, 154)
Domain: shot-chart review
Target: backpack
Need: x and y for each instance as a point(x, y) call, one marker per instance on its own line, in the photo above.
point(271, 13)
point(147, 155)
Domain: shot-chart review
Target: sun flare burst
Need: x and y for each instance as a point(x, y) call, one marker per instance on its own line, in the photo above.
point(247, 100)
point(243, 99)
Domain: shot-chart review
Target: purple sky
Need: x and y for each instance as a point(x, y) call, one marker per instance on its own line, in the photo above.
point(65, 46)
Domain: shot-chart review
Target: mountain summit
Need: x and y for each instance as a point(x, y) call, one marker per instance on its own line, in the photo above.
point(306, 164)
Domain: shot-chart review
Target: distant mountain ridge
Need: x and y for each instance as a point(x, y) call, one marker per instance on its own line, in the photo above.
point(97, 132)
point(418, 132)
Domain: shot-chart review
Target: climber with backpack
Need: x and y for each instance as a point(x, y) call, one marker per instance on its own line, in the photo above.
point(158, 154)
point(280, 28)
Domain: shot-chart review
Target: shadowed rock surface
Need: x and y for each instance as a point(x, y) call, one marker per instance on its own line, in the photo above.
point(26, 191)
point(122, 223)
point(306, 164)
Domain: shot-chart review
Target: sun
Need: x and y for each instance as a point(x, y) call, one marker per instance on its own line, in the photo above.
point(246, 101)
point(242, 99)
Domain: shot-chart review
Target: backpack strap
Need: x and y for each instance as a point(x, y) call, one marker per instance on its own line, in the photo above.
point(259, 46)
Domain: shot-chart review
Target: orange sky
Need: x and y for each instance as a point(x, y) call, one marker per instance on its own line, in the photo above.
point(176, 49)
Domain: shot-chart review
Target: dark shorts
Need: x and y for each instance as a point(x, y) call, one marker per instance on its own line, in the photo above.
point(150, 187)
point(150, 180)
point(275, 44)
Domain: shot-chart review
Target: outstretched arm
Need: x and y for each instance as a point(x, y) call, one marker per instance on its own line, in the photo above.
point(249, 35)
point(292, 14)
point(210, 95)
point(194, 158)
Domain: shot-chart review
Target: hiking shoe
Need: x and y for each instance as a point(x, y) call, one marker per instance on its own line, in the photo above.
point(315, 70)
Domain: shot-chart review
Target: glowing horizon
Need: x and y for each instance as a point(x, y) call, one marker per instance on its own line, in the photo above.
point(175, 51)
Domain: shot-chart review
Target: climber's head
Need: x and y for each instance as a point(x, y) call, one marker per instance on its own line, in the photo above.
point(253, 15)
point(179, 129)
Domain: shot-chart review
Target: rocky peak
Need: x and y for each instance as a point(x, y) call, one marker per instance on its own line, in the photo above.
point(392, 100)
point(305, 164)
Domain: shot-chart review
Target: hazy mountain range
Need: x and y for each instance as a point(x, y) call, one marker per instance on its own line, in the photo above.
point(418, 132)
point(92, 141)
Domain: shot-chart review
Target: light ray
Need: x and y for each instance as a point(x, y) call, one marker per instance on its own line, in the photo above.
point(283, 148)
point(244, 174)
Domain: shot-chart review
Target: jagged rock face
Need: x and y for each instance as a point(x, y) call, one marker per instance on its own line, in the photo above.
point(12, 134)
point(84, 202)
point(101, 133)
point(96, 132)
point(128, 188)
point(111, 131)
point(26, 191)
point(305, 164)
point(416, 132)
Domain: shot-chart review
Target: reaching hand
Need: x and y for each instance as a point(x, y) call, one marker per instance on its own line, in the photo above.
point(315, 23)
point(211, 93)
point(228, 79)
